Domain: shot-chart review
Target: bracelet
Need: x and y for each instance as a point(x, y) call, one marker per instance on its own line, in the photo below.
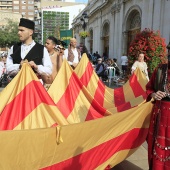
point(153, 95)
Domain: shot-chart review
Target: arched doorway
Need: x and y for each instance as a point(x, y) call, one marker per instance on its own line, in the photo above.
point(105, 37)
point(133, 26)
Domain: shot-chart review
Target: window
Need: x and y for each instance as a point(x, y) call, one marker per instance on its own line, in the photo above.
point(30, 2)
point(16, 2)
point(16, 7)
point(23, 13)
point(30, 13)
point(30, 7)
point(23, 2)
point(23, 7)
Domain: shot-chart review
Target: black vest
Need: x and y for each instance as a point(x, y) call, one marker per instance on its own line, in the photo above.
point(35, 54)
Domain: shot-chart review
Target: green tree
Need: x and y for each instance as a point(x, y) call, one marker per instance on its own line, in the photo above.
point(9, 34)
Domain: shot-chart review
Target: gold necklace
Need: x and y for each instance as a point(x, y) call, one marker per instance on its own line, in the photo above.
point(51, 54)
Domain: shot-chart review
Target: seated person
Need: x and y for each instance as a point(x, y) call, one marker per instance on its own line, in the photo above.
point(1, 67)
point(100, 69)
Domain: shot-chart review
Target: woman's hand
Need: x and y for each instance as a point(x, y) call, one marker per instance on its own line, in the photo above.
point(158, 95)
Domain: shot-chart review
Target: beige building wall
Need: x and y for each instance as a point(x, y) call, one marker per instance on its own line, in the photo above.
point(5, 15)
point(49, 3)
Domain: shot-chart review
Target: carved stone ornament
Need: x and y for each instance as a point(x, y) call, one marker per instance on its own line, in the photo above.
point(115, 8)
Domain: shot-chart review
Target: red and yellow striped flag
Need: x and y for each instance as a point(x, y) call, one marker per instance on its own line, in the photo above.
point(72, 98)
point(80, 144)
point(89, 145)
point(25, 104)
point(129, 95)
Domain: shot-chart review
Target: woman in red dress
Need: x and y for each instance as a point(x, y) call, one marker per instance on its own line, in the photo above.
point(158, 139)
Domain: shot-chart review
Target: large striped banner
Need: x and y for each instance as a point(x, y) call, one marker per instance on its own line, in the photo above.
point(25, 104)
point(88, 145)
point(129, 95)
point(29, 114)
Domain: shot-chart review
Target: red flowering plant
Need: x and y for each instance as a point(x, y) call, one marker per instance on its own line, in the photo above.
point(152, 45)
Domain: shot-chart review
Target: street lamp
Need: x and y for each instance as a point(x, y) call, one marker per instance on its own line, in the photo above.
point(84, 20)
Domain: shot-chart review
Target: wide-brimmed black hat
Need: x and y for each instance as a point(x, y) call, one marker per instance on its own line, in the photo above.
point(27, 23)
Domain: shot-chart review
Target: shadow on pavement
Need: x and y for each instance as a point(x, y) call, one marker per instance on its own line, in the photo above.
point(126, 165)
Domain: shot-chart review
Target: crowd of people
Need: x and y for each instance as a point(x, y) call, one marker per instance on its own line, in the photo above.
point(49, 57)
point(46, 62)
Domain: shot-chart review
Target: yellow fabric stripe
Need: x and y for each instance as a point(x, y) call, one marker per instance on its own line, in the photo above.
point(60, 83)
point(141, 78)
point(81, 67)
point(109, 98)
point(42, 116)
point(128, 92)
point(136, 101)
point(116, 158)
point(92, 85)
point(80, 110)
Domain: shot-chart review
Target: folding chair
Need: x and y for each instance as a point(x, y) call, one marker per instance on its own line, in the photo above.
point(111, 74)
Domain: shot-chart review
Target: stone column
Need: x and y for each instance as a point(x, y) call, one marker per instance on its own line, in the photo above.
point(111, 36)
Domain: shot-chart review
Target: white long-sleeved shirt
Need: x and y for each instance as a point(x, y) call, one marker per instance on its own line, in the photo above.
point(124, 60)
point(13, 69)
point(1, 68)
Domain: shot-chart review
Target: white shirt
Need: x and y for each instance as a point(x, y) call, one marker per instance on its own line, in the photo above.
point(1, 68)
point(142, 66)
point(13, 69)
point(124, 60)
point(76, 58)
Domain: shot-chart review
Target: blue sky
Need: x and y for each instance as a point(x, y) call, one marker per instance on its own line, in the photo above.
point(83, 1)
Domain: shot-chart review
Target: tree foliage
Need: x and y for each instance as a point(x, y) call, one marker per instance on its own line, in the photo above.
point(9, 34)
point(152, 45)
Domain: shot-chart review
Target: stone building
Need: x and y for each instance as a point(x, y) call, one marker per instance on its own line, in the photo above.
point(113, 24)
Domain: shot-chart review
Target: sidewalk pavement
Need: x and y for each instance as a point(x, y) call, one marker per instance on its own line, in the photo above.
point(137, 161)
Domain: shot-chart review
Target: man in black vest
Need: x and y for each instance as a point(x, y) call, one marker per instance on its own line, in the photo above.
point(36, 54)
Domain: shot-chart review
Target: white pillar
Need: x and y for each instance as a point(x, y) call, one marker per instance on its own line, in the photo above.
point(111, 36)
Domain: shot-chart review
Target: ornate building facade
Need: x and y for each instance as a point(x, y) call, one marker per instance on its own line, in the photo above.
point(112, 24)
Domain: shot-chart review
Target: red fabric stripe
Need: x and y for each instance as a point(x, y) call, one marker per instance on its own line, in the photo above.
point(119, 97)
point(87, 74)
point(100, 92)
point(95, 111)
point(136, 87)
point(67, 101)
point(27, 100)
point(124, 107)
point(96, 156)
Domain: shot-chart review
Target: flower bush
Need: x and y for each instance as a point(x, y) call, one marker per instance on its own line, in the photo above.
point(152, 45)
point(84, 34)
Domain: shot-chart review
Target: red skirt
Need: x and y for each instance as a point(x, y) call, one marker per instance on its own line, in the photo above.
point(159, 137)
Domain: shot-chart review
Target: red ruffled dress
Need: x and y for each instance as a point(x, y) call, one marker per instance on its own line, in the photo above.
point(159, 131)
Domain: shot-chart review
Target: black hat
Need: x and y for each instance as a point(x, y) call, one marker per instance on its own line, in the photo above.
point(62, 43)
point(27, 23)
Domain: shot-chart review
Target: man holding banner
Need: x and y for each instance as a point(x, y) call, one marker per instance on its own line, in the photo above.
point(72, 54)
point(36, 54)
